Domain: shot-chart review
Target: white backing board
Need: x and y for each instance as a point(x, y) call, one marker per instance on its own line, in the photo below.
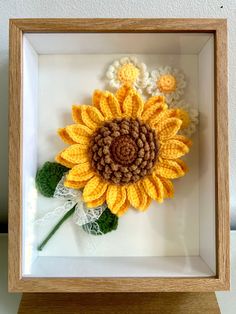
point(170, 228)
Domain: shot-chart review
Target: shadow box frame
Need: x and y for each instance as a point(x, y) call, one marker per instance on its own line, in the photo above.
point(19, 283)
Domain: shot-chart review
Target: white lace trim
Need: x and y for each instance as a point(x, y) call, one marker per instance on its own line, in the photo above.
point(63, 192)
point(93, 229)
point(55, 213)
point(83, 216)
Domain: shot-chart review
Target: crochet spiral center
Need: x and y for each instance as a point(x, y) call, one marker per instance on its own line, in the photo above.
point(127, 73)
point(167, 83)
point(124, 150)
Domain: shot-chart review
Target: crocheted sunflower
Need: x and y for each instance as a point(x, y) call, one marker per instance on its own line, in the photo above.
point(124, 151)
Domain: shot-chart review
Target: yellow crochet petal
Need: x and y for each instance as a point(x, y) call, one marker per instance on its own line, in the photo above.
point(134, 195)
point(79, 133)
point(75, 184)
point(101, 200)
point(79, 129)
point(76, 154)
point(173, 149)
point(95, 115)
point(87, 120)
point(115, 197)
point(159, 187)
point(112, 193)
point(183, 139)
point(63, 162)
point(105, 108)
point(81, 172)
point(184, 116)
point(114, 105)
point(168, 128)
point(145, 204)
point(133, 105)
point(154, 188)
point(153, 109)
point(154, 100)
point(122, 93)
point(96, 98)
point(94, 189)
point(173, 113)
point(168, 187)
point(123, 209)
point(162, 116)
point(146, 200)
point(107, 104)
point(182, 164)
point(87, 115)
point(169, 169)
point(65, 136)
point(76, 114)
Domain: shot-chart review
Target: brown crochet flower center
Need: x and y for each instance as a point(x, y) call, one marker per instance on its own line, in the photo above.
point(124, 150)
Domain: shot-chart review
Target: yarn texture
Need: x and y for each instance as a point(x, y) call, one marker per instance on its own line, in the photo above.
point(128, 71)
point(189, 117)
point(121, 151)
point(124, 151)
point(48, 177)
point(166, 81)
point(107, 222)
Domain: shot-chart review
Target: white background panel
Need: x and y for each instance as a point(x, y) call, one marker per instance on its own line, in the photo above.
point(170, 228)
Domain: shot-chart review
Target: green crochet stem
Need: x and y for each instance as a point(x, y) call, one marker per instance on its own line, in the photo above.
point(57, 226)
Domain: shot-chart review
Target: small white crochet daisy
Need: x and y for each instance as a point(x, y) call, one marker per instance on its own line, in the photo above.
point(168, 82)
point(190, 120)
point(128, 71)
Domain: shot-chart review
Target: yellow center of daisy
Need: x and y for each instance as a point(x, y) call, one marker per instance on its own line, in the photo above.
point(128, 74)
point(124, 150)
point(167, 83)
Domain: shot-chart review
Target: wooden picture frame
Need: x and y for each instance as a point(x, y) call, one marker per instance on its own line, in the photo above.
point(18, 283)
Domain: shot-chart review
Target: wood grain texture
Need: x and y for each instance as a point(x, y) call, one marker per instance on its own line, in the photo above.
point(15, 156)
point(222, 153)
point(117, 25)
point(16, 282)
point(118, 284)
point(132, 303)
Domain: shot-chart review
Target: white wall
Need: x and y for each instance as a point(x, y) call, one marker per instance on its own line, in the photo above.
point(115, 8)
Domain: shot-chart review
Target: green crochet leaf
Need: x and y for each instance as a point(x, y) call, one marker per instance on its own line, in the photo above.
point(48, 177)
point(107, 222)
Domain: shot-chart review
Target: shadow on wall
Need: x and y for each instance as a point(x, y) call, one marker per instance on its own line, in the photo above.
point(233, 219)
